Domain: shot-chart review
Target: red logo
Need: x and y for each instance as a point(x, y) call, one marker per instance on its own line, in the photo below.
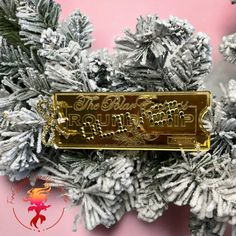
point(38, 197)
point(39, 208)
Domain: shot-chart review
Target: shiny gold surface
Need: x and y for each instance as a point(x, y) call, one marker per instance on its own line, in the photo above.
point(131, 121)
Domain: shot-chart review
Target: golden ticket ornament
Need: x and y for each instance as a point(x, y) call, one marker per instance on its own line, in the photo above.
point(130, 121)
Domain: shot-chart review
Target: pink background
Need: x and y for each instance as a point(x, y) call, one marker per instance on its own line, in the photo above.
point(110, 17)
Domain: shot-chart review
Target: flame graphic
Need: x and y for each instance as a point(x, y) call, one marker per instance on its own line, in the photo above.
point(37, 197)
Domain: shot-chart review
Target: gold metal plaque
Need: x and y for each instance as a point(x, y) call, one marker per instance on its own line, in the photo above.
point(131, 121)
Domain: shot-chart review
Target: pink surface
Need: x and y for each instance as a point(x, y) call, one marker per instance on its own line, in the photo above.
point(110, 17)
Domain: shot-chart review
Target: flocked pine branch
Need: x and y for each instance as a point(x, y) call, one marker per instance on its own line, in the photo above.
point(229, 98)
point(228, 48)
point(99, 67)
point(210, 227)
point(150, 202)
point(9, 27)
point(64, 66)
point(203, 181)
point(34, 16)
point(15, 70)
point(162, 55)
point(20, 142)
point(104, 190)
point(78, 28)
point(22, 69)
point(223, 129)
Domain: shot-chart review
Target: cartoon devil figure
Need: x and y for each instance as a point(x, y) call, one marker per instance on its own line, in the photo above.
point(38, 197)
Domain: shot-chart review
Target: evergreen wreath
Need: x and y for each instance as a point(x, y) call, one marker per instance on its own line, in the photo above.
point(39, 56)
